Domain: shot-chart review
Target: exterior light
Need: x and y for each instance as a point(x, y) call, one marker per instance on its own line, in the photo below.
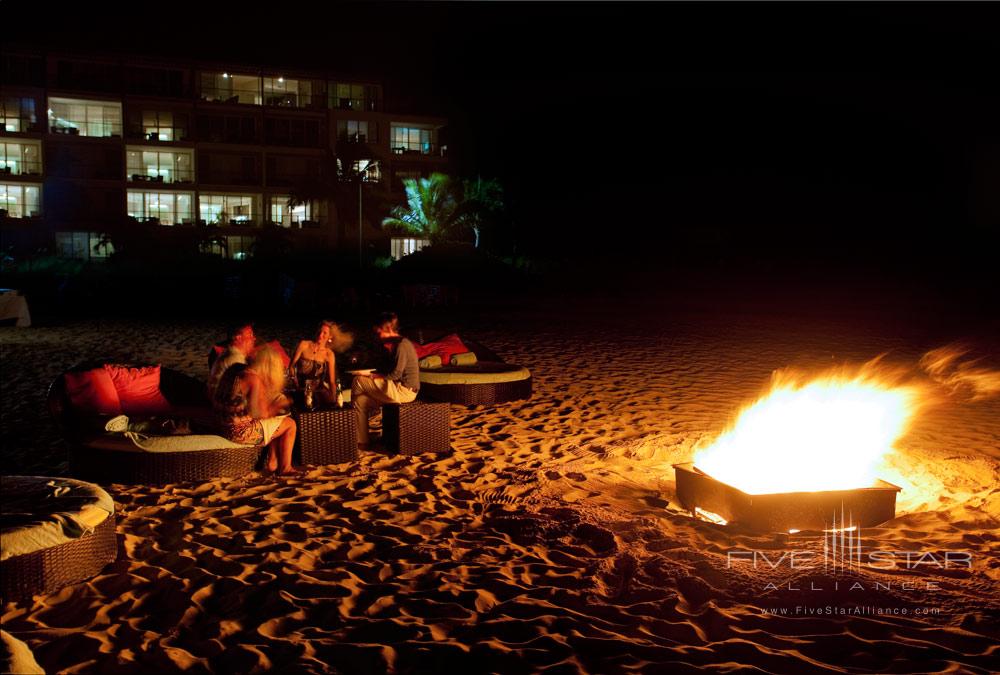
point(224, 75)
point(281, 79)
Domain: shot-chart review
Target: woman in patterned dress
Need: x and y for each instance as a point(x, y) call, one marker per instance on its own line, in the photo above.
point(248, 401)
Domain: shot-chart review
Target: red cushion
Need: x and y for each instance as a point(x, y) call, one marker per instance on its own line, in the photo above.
point(139, 390)
point(93, 392)
point(445, 348)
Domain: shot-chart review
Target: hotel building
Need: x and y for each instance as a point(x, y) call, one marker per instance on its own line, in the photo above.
point(86, 141)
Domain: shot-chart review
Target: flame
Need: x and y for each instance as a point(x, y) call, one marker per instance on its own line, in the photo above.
point(827, 433)
point(944, 366)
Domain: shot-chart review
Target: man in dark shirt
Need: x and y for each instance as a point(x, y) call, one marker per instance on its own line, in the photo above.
point(400, 385)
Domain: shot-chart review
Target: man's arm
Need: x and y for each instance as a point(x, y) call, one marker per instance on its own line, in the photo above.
point(404, 352)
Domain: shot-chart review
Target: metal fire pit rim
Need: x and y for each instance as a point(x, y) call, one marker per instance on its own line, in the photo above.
point(690, 466)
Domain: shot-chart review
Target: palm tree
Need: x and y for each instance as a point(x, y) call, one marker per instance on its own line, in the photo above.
point(432, 211)
point(482, 204)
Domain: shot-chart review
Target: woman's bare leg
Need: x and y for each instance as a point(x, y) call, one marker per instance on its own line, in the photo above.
point(283, 443)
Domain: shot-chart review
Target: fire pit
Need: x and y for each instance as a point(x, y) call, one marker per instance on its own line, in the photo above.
point(783, 511)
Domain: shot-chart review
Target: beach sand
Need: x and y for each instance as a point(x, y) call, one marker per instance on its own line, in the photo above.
point(549, 540)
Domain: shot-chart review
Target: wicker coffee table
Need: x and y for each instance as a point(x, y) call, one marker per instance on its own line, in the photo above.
point(328, 436)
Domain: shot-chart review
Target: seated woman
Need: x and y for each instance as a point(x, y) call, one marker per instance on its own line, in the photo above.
point(317, 361)
point(248, 401)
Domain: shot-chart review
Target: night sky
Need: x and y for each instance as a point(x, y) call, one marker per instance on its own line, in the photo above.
point(619, 129)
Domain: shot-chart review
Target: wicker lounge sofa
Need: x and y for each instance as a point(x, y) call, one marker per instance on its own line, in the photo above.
point(56, 532)
point(488, 381)
point(95, 456)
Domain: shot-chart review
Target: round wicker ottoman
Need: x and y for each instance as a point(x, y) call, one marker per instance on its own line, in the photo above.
point(68, 560)
point(482, 383)
point(106, 465)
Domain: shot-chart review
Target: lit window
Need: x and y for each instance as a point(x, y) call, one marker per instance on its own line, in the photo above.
point(284, 215)
point(228, 209)
point(356, 131)
point(230, 88)
point(165, 208)
point(413, 140)
point(288, 93)
point(20, 158)
point(85, 118)
point(348, 96)
point(401, 246)
point(372, 172)
point(20, 201)
point(163, 125)
point(164, 166)
point(18, 114)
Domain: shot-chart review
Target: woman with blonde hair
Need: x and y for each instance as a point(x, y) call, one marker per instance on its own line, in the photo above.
point(248, 401)
point(316, 360)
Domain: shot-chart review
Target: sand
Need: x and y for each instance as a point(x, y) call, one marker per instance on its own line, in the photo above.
point(549, 540)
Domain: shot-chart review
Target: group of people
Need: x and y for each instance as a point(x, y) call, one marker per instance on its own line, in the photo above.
point(247, 384)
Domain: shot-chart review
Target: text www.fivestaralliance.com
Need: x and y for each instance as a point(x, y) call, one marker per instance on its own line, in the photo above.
point(851, 610)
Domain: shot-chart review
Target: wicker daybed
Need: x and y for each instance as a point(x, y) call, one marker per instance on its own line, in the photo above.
point(490, 380)
point(50, 539)
point(111, 462)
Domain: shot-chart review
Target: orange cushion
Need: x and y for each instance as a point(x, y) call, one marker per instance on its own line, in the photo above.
point(93, 392)
point(139, 390)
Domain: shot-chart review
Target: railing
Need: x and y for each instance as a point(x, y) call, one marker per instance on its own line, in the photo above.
point(172, 134)
point(304, 224)
point(102, 129)
point(22, 125)
point(244, 96)
point(179, 176)
point(290, 99)
point(20, 212)
point(356, 138)
point(426, 149)
point(26, 169)
point(367, 104)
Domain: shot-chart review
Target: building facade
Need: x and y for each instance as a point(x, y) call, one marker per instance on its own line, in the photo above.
point(89, 141)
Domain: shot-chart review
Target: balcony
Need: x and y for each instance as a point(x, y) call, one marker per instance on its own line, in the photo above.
point(174, 178)
point(22, 125)
point(421, 149)
point(25, 169)
point(162, 134)
point(357, 104)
